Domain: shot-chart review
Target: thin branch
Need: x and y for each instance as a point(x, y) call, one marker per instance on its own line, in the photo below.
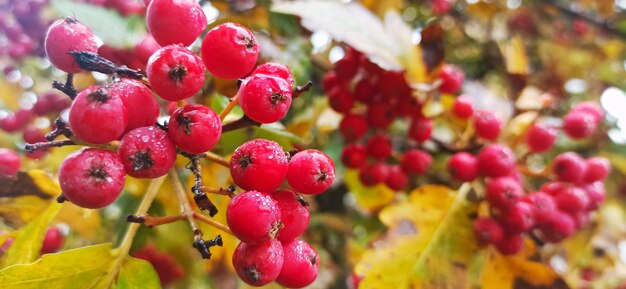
point(243, 122)
point(61, 128)
point(48, 144)
point(302, 89)
point(216, 159)
point(212, 222)
point(93, 62)
point(229, 107)
point(67, 88)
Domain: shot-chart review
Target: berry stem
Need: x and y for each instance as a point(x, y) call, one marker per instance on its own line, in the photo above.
point(48, 144)
point(93, 62)
point(151, 222)
point(243, 122)
point(527, 171)
point(185, 208)
point(229, 107)
point(61, 129)
point(212, 222)
point(217, 159)
point(67, 88)
point(302, 89)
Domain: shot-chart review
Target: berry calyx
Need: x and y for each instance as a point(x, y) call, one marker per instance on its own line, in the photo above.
point(175, 73)
point(98, 115)
point(258, 264)
point(265, 99)
point(147, 152)
point(9, 162)
point(299, 266)
point(311, 172)
point(230, 51)
point(175, 21)
point(68, 35)
point(194, 128)
point(259, 165)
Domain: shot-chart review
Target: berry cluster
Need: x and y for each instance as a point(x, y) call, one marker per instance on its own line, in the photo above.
point(23, 27)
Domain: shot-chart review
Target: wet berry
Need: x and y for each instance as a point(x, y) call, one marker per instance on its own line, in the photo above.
point(415, 161)
point(265, 223)
point(265, 99)
point(569, 167)
point(147, 152)
point(230, 51)
point(293, 214)
point(299, 266)
point(487, 231)
point(67, 35)
point(463, 166)
point(310, 172)
point(354, 155)
point(496, 161)
point(194, 128)
point(540, 138)
point(175, 21)
point(98, 115)
point(141, 106)
point(175, 73)
point(259, 165)
point(258, 264)
point(488, 124)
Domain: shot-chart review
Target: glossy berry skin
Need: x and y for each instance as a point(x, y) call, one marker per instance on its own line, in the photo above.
point(579, 124)
point(275, 70)
point(592, 108)
point(463, 166)
point(141, 106)
point(572, 199)
point(259, 165)
point(300, 265)
point(496, 161)
point(488, 124)
point(354, 156)
point(265, 224)
point(311, 172)
point(258, 264)
point(175, 73)
point(420, 129)
point(341, 99)
point(415, 161)
point(373, 174)
point(379, 146)
point(230, 51)
point(569, 167)
point(503, 193)
point(556, 227)
point(175, 21)
point(396, 178)
point(67, 35)
point(518, 219)
point(542, 203)
point(147, 152)
point(452, 78)
point(53, 241)
point(194, 128)
point(353, 127)
point(265, 99)
point(9, 162)
point(98, 115)
point(293, 214)
point(598, 168)
point(487, 231)
point(510, 244)
point(92, 178)
point(463, 108)
point(540, 138)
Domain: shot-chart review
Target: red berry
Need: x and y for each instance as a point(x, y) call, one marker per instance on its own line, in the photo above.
point(141, 106)
point(580, 218)
point(579, 124)
point(487, 231)
point(98, 115)
point(34, 135)
point(592, 108)
point(415, 161)
point(341, 99)
point(396, 178)
point(379, 146)
point(463, 108)
point(354, 155)
point(275, 70)
point(392, 84)
point(420, 129)
point(553, 188)
point(53, 241)
point(596, 194)
point(259, 264)
point(67, 35)
point(265, 99)
point(259, 165)
point(518, 219)
point(175, 73)
point(311, 172)
point(9, 162)
point(353, 127)
point(540, 138)
point(572, 199)
point(92, 178)
point(230, 51)
point(300, 265)
point(542, 203)
point(347, 68)
point(598, 168)
point(380, 115)
point(556, 227)
point(463, 166)
point(496, 161)
point(488, 124)
point(293, 214)
point(146, 47)
point(175, 21)
point(442, 6)
point(329, 81)
point(147, 152)
point(265, 223)
point(510, 244)
point(164, 264)
point(569, 167)
point(452, 78)
point(503, 193)
point(364, 91)
point(17, 121)
point(195, 128)
point(373, 174)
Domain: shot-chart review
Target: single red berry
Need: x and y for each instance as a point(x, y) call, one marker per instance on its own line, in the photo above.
point(98, 115)
point(33, 135)
point(341, 99)
point(194, 128)
point(379, 146)
point(265, 99)
point(147, 152)
point(579, 124)
point(293, 214)
point(510, 244)
point(569, 167)
point(572, 199)
point(556, 227)
point(373, 174)
point(553, 188)
point(67, 35)
point(442, 6)
point(329, 81)
point(17, 121)
point(488, 124)
point(258, 264)
point(353, 127)
point(92, 178)
point(596, 194)
point(420, 129)
point(146, 47)
point(311, 172)
point(165, 265)
point(463, 107)
point(580, 218)
point(540, 138)
point(542, 203)
point(592, 108)
point(175, 73)
point(393, 85)
point(496, 160)
point(415, 161)
point(275, 70)
point(347, 67)
point(259, 165)
point(503, 192)
point(410, 107)
point(364, 91)
point(451, 79)
point(51, 102)
point(463, 166)
point(354, 155)
point(230, 51)
point(9, 162)
point(396, 178)
point(380, 115)
point(266, 222)
point(487, 231)
point(300, 265)
point(598, 168)
point(175, 21)
point(518, 218)
point(141, 106)
point(53, 241)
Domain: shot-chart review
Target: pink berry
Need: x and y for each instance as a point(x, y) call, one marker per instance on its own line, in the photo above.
point(275, 70)
point(265, 223)
point(147, 152)
point(341, 99)
point(354, 155)
point(510, 244)
point(463, 108)
point(175, 73)
point(175, 21)
point(452, 78)
point(396, 178)
point(596, 194)
point(259, 165)
point(34, 135)
point(569, 167)
point(53, 241)
point(542, 203)
point(98, 115)
point(572, 199)
point(442, 6)
point(293, 214)
point(67, 35)
point(540, 138)
point(265, 99)
point(463, 166)
point(258, 264)
point(373, 174)
point(592, 108)
point(300, 265)
point(487, 231)
point(503, 193)
point(518, 218)
point(598, 168)
point(420, 129)
point(92, 178)
point(194, 128)
point(230, 51)
point(146, 47)
point(142, 107)
point(379, 146)
point(579, 124)
point(496, 161)
point(311, 172)
point(415, 161)
point(9, 162)
point(488, 124)
point(556, 227)
point(353, 127)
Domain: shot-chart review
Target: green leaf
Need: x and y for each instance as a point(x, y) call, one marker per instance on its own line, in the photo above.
point(27, 245)
point(137, 274)
point(108, 25)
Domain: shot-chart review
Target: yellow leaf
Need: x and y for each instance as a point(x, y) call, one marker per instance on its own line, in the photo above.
point(18, 211)
point(368, 198)
point(515, 57)
point(85, 222)
point(617, 160)
point(137, 274)
point(381, 7)
point(26, 196)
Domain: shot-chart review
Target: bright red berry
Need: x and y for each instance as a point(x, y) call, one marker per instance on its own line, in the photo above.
point(354, 155)
point(265, 99)
point(503, 193)
point(67, 35)
point(463, 108)
point(341, 99)
point(300, 265)
point(442, 6)
point(496, 161)
point(542, 203)
point(420, 129)
point(329, 81)
point(373, 174)
point(518, 218)
point(487, 231)
point(175, 21)
point(194, 128)
point(572, 199)
point(596, 194)
point(592, 108)
point(396, 178)
point(553, 188)
point(510, 244)
point(364, 91)
point(598, 168)
point(230, 51)
point(353, 127)
point(146, 47)
point(92, 178)
point(147, 152)
point(164, 264)
point(141, 106)
point(258, 264)
point(311, 172)
point(98, 115)
point(569, 167)
point(9, 162)
point(275, 70)
point(451, 78)
point(17, 121)
point(259, 165)
point(293, 214)
point(265, 223)
point(53, 241)
point(415, 161)
point(175, 73)
point(379, 146)
point(540, 138)
point(488, 124)
point(380, 114)
point(579, 124)
point(463, 166)
point(556, 226)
